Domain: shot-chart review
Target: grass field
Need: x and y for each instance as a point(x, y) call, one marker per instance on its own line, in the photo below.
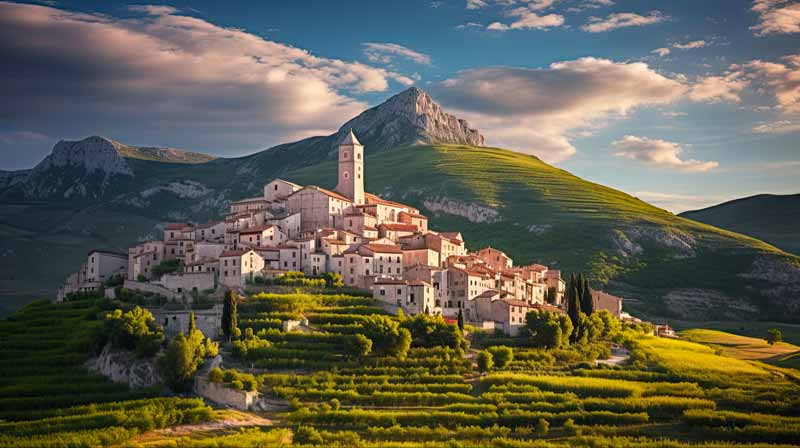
point(742, 347)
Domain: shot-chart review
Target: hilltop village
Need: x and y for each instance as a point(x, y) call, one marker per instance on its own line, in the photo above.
point(372, 243)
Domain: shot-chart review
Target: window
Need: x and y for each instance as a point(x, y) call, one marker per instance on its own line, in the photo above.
point(399, 291)
point(358, 156)
point(345, 154)
point(276, 187)
point(383, 292)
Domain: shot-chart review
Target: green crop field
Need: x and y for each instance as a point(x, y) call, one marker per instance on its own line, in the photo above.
point(670, 393)
point(49, 399)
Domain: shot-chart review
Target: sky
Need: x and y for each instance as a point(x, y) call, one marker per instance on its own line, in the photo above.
point(683, 103)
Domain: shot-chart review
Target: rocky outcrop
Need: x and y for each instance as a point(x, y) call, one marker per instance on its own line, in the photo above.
point(476, 213)
point(700, 304)
point(87, 169)
point(781, 281)
point(410, 117)
point(122, 366)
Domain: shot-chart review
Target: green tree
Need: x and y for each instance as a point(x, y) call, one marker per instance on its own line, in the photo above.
point(611, 325)
point(133, 330)
point(774, 336)
point(178, 363)
point(230, 319)
point(387, 336)
point(587, 306)
point(192, 323)
point(502, 355)
point(573, 301)
point(547, 328)
point(485, 361)
point(359, 346)
point(183, 356)
point(433, 331)
point(460, 320)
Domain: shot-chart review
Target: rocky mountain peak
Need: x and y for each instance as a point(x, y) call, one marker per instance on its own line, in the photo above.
point(410, 117)
point(92, 154)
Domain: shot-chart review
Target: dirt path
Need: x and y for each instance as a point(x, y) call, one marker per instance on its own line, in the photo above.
point(232, 420)
point(618, 357)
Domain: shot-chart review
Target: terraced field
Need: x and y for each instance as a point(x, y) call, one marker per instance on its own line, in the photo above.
point(49, 399)
point(415, 383)
point(672, 394)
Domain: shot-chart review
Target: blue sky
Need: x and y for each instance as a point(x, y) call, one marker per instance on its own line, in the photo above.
point(682, 103)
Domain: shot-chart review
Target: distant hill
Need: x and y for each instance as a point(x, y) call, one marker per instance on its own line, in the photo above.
point(769, 217)
point(664, 266)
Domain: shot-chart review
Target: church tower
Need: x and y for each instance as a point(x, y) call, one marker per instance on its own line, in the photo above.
point(351, 169)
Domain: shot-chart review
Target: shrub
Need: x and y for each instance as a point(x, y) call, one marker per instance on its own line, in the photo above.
point(236, 384)
point(216, 375)
point(542, 427)
point(501, 355)
point(485, 361)
point(307, 435)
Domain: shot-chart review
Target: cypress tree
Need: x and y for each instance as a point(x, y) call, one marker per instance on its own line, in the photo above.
point(586, 297)
point(192, 325)
point(229, 314)
point(460, 320)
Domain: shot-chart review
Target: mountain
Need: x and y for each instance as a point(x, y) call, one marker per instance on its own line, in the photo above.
point(409, 118)
point(88, 169)
point(769, 217)
point(665, 266)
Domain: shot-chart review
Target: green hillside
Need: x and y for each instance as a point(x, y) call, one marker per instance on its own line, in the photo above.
point(666, 266)
point(768, 217)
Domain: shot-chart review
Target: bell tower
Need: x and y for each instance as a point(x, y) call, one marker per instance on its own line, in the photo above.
point(351, 169)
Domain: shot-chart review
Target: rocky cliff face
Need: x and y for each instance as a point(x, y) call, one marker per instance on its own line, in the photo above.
point(121, 366)
point(84, 169)
point(410, 117)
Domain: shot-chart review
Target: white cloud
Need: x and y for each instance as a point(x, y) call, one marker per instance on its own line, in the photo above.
point(664, 51)
point(661, 51)
point(469, 25)
point(660, 153)
point(476, 4)
point(153, 10)
point(776, 17)
point(590, 4)
point(527, 19)
point(777, 127)
point(691, 45)
point(716, 89)
point(171, 79)
point(622, 20)
point(674, 114)
point(678, 203)
point(386, 52)
point(539, 111)
point(782, 79)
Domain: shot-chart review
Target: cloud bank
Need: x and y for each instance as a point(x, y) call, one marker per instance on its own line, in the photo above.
point(167, 78)
point(660, 153)
point(539, 111)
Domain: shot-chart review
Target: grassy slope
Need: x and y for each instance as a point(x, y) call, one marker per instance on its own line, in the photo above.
point(583, 216)
point(164, 155)
point(743, 347)
point(772, 218)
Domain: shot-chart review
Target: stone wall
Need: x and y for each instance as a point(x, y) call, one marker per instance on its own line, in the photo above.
point(150, 287)
point(175, 321)
point(185, 283)
point(218, 393)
